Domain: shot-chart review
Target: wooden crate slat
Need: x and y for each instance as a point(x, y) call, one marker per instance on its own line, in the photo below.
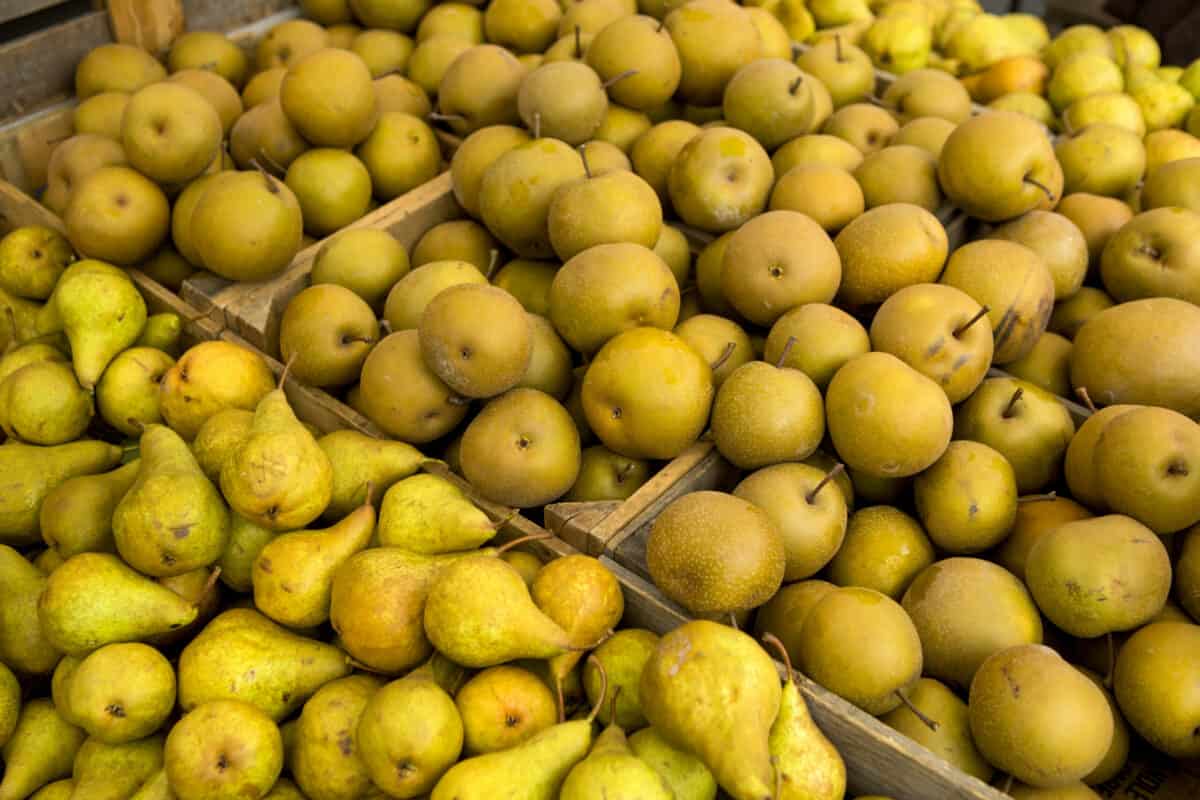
point(37, 68)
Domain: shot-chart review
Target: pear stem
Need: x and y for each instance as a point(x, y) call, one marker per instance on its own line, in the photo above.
point(533, 537)
point(837, 46)
point(620, 76)
point(838, 469)
point(795, 85)
point(270, 162)
point(916, 712)
point(385, 326)
point(507, 518)
point(370, 499)
point(1112, 660)
point(271, 187)
point(287, 368)
point(578, 41)
point(603, 687)
point(211, 583)
point(961, 329)
point(493, 262)
point(662, 23)
point(787, 349)
point(733, 621)
point(587, 170)
point(1012, 403)
point(1037, 498)
point(562, 703)
point(1006, 787)
point(1045, 189)
point(612, 706)
point(1082, 394)
point(455, 400)
point(725, 354)
point(774, 641)
point(438, 116)
point(537, 124)
point(137, 423)
point(12, 320)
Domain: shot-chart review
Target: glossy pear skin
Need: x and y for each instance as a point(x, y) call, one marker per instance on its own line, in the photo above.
point(94, 599)
point(293, 574)
point(77, 515)
point(809, 766)
point(612, 770)
point(29, 473)
point(172, 520)
point(429, 514)
point(102, 314)
point(23, 646)
point(114, 771)
point(707, 685)
point(278, 478)
point(479, 614)
point(358, 460)
point(242, 655)
point(42, 749)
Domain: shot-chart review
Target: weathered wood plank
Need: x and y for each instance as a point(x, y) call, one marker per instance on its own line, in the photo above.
point(15, 9)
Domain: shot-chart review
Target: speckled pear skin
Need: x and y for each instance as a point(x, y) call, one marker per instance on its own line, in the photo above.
point(102, 314)
point(430, 515)
point(94, 599)
point(29, 473)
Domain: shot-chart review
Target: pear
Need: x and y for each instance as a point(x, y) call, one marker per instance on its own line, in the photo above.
point(772, 100)
point(899, 173)
point(228, 244)
point(966, 609)
point(1102, 158)
point(93, 599)
point(867, 127)
point(102, 314)
point(620, 660)
point(1036, 516)
point(807, 764)
point(359, 460)
point(278, 477)
point(1123, 583)
point(473, 157)
point(378, 604)
point(809, 513)
point(246, 540)
point(43, 403)
point(293, 574)
point(477, 339)
point(636, 43)
point(967, 500)
point(130, 388)
point(684, 773)
point(655, 151)
point(1162, 711)
point(844, 68)
point(502, 707)
point(1015, 694)
point(262, 134)
point(583, 596)
point(218, 437)
point(609, 207)
point(135, 213)
point(479, 629)
point(604, 475)
point(329, 97)
point(1151, 255)
point(402, 758)
point(208, 378)
point(823, 339)
point(1047, 365)
point(532, 171)
point(714, 553)
point(329, 330)
point(325, 758)
point(713, 42)
point(1097, 217)
point(564, 100)
point(951, 739)
point(42, 749)
point(928, 133)
point(172, 519)
point(689, 701)
point(429, 515)
point(412, 294)
point(456, 240)
point(114, 771)
point(122, 692)
point(888, 248)
point(58, 790)
point(611, 768)
point(100, 115)
point(23, 645)
point(170, 132)
point(23, 317)
point(783, 615)
point(999, 165)
point(400, 154)
point(32, 259)
point(242, 655)
point(10, 704)
point(223, 748)
point(832, 648)
point(816, 149)
point(829, 195)
point(1142, 463)
point(366, 261)
point(721, 178)
point(427, 66)
point(550, 363)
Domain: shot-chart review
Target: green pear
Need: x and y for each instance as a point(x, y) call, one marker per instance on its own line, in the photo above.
point(156, 787)
point(10, 704)
point(503, 706)
point(242, 655)
point(293, 574)
point(114, 771)
point(58, 790)
point(688, 700)
point(102, 315)
point(772, 100)
point(951, 739)
point(23, 645)
point(42, 749)
point(687, 776)
point(28, 353)
point(128, 393)
point(218, 437)
point(966, 609)
point(535, 769)
point(42, 403)
point(429, 515)
point(967, 500)
point(621, 659)
point(211, 377)
point(26, 319)
point(408, 735)
point(278, 477)
point(122, 692)
point(480, 614)
point(162, 332)
point(224, 748)
point(359, 460)
point(783, 615)
point(378, 604)
point(32, 258)
point(1162, 710)
point(1120, 585)
point(325, 758)
point(807, 764)
point(94, 599)
point(611, 769)
point(246, 541)
point(172, 519)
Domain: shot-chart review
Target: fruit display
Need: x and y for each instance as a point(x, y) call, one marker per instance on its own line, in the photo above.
point(914, 348)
